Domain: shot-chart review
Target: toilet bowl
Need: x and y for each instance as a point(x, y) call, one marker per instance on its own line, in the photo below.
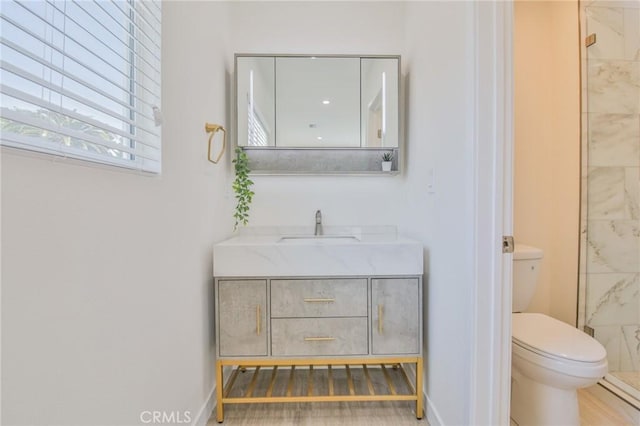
point(550, 359)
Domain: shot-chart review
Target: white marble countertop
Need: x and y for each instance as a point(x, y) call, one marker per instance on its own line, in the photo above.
point(260, 252)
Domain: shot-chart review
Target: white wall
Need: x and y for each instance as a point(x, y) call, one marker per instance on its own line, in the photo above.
point(532, 172)
point(435, 48)
point(566, 160)
point(321, 27)
point(547, 147)
point(106, 278)
point(440, 64)
point(121, 340)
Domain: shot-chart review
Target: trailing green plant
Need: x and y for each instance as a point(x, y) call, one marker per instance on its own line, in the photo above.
point(387, 156)
point(242, 188)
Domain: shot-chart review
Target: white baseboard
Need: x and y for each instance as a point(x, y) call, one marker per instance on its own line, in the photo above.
point(209, 405)
point(433, 418)
point(205, 411)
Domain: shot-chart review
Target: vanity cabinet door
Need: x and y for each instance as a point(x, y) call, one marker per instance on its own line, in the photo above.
point(242, 313)
point(395, 315)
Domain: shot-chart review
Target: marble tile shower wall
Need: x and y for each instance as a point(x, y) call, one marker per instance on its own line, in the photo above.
point(610, 222)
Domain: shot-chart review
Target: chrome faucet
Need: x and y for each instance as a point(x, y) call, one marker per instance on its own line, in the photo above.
point(318, 223)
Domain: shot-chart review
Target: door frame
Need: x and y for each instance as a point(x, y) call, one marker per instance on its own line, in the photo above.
point(490, 387)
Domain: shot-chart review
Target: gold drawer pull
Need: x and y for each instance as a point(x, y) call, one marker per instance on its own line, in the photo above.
point(380, 319)
point(318, 300)
point(258, 317)
point(319, 339)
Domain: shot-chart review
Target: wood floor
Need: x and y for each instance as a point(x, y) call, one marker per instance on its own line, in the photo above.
point(598, 407)
point(321, 414)
point(631, 378)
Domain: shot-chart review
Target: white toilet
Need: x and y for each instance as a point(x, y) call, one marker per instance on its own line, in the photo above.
point(550, 359)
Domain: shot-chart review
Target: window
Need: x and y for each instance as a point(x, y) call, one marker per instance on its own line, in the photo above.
point(81, 79)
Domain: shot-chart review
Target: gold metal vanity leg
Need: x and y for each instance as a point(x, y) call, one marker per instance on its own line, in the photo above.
point(419, 407)
point(219, 390)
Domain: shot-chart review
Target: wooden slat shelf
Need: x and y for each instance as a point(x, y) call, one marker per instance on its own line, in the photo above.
point(319, 380)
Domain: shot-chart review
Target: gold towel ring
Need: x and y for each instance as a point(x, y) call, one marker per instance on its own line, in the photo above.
point(213, 128)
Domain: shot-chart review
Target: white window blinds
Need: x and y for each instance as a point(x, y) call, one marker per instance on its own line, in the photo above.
point(81, 79)
point(257, 132)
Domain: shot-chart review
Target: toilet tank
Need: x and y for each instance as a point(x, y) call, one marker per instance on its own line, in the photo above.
point(526, 268)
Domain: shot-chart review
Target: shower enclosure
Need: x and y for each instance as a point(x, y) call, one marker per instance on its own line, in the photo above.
point(609, 297)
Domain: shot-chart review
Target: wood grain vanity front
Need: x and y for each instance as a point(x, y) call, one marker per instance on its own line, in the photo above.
point(339, 322)
point(368, 316)
point(319, 298)
point(395, 315)
point(242, 314)
point(319, 337)
point(319, 317)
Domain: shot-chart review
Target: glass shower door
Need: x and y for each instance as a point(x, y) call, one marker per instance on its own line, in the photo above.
point(609, 302)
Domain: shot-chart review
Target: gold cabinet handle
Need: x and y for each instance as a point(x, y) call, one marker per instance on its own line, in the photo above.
point(319, 339)
point(318, 300)
point(380, 319)
point(258, 317)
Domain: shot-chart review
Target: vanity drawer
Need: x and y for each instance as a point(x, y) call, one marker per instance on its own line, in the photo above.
point(319, 298)
point(312, 336)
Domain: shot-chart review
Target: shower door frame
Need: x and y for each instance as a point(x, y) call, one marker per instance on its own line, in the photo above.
point(623, 390)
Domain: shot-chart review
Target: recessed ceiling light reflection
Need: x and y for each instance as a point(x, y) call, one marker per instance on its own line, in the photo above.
point(326, 102)
point(319, 138)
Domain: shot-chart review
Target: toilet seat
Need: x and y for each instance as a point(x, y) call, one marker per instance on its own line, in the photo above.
point(555, 345)
point(559, 365)
point(555, 339)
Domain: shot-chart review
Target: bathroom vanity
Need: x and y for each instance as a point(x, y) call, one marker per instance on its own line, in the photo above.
point(298, 316)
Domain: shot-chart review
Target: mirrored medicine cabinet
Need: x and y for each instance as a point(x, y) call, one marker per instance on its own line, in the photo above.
point(318, 114)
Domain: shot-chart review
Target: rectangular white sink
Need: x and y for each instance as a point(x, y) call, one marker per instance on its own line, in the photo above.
point(291, 254)
point(318, 239)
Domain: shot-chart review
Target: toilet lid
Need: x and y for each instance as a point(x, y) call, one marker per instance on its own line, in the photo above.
point(554, 338)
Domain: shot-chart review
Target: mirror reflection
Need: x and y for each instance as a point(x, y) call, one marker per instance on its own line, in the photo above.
point(255, 101)
point(317, 102)
point(379, 107)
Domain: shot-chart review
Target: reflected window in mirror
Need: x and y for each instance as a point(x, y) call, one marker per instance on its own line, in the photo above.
point(256, 101)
